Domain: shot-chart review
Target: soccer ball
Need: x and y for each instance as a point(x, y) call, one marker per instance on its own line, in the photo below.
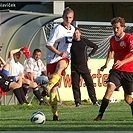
point(38, 117)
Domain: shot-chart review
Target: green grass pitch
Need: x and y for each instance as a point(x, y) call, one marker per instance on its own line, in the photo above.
point(116, 118)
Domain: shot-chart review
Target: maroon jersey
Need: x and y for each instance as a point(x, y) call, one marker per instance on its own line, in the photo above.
point(123, 49)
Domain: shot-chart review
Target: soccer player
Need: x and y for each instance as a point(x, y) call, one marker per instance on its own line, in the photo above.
point(79, 58)
point(121, 74)
point(58, 54)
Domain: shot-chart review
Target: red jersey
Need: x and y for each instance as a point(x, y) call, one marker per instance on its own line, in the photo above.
point(123, 49)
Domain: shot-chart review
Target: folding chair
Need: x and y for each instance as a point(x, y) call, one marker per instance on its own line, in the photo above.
point(3, 97)
point(8, 99)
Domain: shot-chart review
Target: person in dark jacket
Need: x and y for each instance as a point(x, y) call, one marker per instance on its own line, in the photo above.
point(79, 67)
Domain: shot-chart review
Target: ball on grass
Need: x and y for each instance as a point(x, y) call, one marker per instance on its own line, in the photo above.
point(38, 117)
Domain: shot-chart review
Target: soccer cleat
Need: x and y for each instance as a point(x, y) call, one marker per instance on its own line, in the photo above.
point(43, 103)
point(44, 93)
point(97, 103)
point(27, 104)
point(78, 105)
point(55, 118)
point(98, 118)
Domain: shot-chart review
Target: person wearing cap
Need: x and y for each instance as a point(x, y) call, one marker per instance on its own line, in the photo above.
point(17, 69)
point(26, 52)
point(35, 69)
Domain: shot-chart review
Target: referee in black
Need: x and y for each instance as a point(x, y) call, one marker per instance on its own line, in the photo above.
point(79, 58)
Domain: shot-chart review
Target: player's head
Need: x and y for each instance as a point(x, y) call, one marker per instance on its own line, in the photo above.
point(17, 56)
point(118, 25)
point(68, 15)
point(37, 54)
point(77, 34)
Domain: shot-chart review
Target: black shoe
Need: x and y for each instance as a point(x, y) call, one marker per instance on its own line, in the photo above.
point(97, 103)
point(44, 93)
point(43, 103)
point(98, 118)
point(55, 118)
point(78, 105)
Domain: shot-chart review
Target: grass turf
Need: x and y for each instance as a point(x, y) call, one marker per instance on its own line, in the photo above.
point(116, 118)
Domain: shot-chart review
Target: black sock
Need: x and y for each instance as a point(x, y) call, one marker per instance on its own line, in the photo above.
point(103, 106)
point(23, 95)
point(131, 107)
point(25, 88)
point(37, 94)
point(18, 95)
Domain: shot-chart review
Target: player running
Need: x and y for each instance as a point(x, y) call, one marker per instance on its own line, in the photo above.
point(121, 74)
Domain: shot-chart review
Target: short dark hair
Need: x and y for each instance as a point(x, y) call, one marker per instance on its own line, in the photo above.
point(77, 28)
point(36, 50)
point(118, 20)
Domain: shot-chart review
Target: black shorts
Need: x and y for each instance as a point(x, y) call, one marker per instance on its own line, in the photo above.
point(5, 82)
point(124, 79)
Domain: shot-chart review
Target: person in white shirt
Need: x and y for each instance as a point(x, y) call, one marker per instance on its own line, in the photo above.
point(7, 82)
point(35, 69)
point(58, 54)
point(17, 69)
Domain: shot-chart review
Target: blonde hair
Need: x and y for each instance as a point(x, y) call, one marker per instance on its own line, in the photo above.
point(68, 10)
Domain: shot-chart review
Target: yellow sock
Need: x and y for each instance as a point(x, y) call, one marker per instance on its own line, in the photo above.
point(53, 103)
point(54, 79)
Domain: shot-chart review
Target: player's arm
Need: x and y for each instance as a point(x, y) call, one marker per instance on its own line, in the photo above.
point(55, 38)
point(12, 52)
point(28, 69)
point(119, 63)
point(44, 72)
point(109, 56)
point(93, 46)
point(2, 61)
point(30, 76)
point(54, 50)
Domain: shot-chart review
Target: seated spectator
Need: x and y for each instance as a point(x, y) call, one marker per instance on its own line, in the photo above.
point(11, 82)
point(35, 70)
point(17, 69)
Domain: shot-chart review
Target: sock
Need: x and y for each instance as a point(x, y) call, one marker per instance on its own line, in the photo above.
point(25, 88)
point(23, 95)
point(37, 94)
point(131, 107)
point(103, 106)
point(54, 79)
point(18, 95)
point(53, 103)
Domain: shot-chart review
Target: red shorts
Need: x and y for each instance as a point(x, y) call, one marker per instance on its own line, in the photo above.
point(51, 67)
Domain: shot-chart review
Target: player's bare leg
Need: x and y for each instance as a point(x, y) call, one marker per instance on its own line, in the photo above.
point(61, 65)
point(15, 85)
point(129, 100)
